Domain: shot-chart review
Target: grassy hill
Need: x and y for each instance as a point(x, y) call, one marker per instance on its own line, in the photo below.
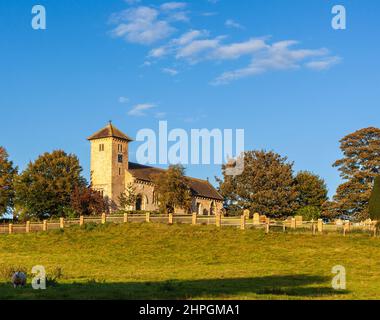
point(152, 261)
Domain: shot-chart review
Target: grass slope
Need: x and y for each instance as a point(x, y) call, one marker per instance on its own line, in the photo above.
point(152, 261)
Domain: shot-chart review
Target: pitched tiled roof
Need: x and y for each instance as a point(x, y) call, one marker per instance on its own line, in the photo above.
point(201, 188)
point(110, 131)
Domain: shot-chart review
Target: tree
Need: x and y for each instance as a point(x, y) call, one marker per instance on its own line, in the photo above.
point(358, 168)
point(309, 213)
point(331, 210)
point(44, 189)
point(312, 190)
point(128, 198)
point(374, 202)
point(265, 186)
point(7, 175)
point(86, 202)
point(172, 189)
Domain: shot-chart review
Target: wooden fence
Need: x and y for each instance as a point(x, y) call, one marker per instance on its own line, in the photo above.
point(243, 222)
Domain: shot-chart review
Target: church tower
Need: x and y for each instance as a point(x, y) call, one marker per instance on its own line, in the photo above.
point(109, 161)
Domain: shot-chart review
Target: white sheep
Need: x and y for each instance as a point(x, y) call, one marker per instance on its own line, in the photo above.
point(19, 279)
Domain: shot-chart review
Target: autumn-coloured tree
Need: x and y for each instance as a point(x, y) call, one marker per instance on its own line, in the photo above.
point(312, 190)
point(128, 198)
point(331, 210)
point(7, 175)
point(44, 189)
point(266, 185)
point(172, 189)
point(358, 168)
point(86, 202)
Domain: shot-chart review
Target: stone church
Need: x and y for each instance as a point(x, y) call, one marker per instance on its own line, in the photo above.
point(111, 173)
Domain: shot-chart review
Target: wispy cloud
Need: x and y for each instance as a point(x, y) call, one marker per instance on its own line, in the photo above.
point(170, 71)
point(233, 24)
point(139, 110)
point(278, 56)
point(123, 100)
point(147, 24)
point(324, 64)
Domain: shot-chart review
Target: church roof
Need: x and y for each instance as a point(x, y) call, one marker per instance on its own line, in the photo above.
point(200, 188)
point(110, 131)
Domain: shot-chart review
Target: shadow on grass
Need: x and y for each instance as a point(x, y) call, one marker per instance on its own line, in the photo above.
point(297, 286)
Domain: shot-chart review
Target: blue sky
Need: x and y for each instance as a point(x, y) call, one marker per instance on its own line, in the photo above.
point(274, 68)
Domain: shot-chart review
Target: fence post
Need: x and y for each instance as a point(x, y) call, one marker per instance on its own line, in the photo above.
point(313, 227)
point(194, 219)
point(147, 217)
point(242, 222)
point(284, 226)
point(126, 217)
point(344, 229)
point(320, 225)
point(10, 228)
point(218, 220)
point(104, 218)
point(267, 226)
point(44, 225)
point(27, 228)
point(61, 223)
point(294, 223)
point(81, 220)
point(170, 218)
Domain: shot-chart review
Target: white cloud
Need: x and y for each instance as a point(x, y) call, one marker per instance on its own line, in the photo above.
point(233, 24)
point(147, 25)
point(323, 64)
point(141, 25)
point(236, 50)
point(195, 50)
point(173, 6)
point(123, 100)
point(175, 44)
point(139, 110)
point(278, 56)
point(209, 14)
point(170, 71)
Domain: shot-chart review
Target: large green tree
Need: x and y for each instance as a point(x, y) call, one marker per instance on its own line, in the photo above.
point(312, 190)
point(265, 186)
point(7, 175)
point(45, 188)
point(172, 190)
point(358, 168)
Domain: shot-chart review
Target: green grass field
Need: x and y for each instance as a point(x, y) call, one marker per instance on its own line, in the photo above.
point(153, 261)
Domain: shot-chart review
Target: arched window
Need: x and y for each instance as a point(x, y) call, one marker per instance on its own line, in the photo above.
point(139, 203)
point(212, 209)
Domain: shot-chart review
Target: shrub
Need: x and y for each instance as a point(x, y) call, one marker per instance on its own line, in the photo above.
point(53, 276)
point(7, 271)
point(309, 213)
